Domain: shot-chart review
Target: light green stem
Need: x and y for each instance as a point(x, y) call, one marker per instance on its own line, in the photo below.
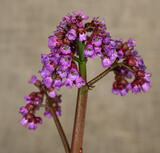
point(79, 123)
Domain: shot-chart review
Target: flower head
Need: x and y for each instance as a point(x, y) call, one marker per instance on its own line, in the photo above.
point(76, 41)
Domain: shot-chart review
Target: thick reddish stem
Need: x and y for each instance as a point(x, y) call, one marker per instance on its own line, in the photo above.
point(78, 130)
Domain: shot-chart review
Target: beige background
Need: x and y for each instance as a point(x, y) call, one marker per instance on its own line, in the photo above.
point(114, 124)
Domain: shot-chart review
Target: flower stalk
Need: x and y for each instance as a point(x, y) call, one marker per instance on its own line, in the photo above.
point(79, 122)
point(58, 124)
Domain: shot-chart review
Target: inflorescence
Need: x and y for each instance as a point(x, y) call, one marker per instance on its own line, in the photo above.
point(60, 65)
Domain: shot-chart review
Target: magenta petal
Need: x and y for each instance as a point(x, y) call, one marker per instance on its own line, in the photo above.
point(106, 62)
point(47, 114)
point(123, 92)
point(145, 87)
point(80, 82)
point(82, 37)
point(52, 94)
point(23, 122)
point(23, 110)
point(68, 83)
point(115, 91)
point(135, 89)
point(33, 79)
point(32, 126)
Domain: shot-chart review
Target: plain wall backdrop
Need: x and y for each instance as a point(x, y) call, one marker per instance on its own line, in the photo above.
point(114, 124)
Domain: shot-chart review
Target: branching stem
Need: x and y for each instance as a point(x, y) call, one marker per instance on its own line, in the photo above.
point(104, 73)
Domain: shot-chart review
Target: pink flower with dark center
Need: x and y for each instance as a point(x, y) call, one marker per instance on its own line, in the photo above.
point(106, 62)
point(65, 49)
point(52, 94)
point(97, 41)
point(71, 35)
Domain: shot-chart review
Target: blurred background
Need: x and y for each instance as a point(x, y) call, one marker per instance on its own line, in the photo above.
point(114, 124)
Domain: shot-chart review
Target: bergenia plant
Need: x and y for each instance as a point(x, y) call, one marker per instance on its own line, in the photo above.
point(71, 45)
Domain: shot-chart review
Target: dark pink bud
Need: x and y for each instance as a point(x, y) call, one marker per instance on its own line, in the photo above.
point(127, 52)
point(32, 95)
point(81, 30)
point(30, 106)
point(120, 86)
point(115, 85)
point(38, 120)
point(140, 73)
point(131, 61)
point(141, 81)
point(123, 82)
point(29, 116)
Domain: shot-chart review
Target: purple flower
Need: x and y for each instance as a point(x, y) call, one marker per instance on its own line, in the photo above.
point(120, 54)
point(32, 126)
point(88, 51)
point(58, 111)
point(106, 62)
point(129, 87)
point(80, 82)
point(147, 77)
point(52, 41)
point(44, 59)
point(107, 40)
point(66, 17)
point(57, 84)
point(131, 43)
point(44, 73)
point(123, 92)
point(71, 35)
point(145, 87)
point(37, 101)
point(82, 37)
point(115, 91)
point(28, 99)
point(122, 71)
point(65, 49)
point(66, 61)
point(48, 82)
point(55, 58)
point(33, 79)
point(52, 94)
point(98, 52)
point(134, 52)
point(129, 75)
point(47, 113)
point(73, 74)
point(49, 67)
point(97, 41)
point(118, 44)
point(23, 110)
point(108, 50)
point(135, 89)
point(62, 73)
point(113, 57)
point(112, 44)
point(23, 122)
point(79, 24)
point(68, 83)
point(80, 13)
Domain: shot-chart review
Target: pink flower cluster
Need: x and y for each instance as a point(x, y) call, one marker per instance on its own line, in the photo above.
point(59, 67)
